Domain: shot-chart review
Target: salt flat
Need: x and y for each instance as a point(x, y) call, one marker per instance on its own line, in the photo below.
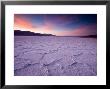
point(55, 56)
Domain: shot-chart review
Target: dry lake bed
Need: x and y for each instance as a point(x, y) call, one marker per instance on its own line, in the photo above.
point(55, 56)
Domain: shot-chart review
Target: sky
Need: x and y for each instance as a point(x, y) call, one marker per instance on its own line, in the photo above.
point(57, 24)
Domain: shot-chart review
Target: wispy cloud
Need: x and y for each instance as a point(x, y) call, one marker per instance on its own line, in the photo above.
point(57, 24)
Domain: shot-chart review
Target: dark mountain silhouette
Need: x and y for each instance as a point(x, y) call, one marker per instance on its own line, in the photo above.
point(28, 33)
point(90, 36)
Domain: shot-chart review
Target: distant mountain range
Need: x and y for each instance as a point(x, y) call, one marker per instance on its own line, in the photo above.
point(90, 36)
point(28, 33)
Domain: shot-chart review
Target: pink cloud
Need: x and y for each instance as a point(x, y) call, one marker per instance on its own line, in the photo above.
point(81, 31)
point(21, 23)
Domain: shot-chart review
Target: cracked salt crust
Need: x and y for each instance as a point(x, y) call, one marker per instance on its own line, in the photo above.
point(55, 56)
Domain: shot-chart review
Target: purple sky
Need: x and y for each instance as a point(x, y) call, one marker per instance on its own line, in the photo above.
point(57, 24)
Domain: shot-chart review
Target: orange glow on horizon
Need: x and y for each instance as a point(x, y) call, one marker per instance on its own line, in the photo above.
point(24, 25)
point(57, 25)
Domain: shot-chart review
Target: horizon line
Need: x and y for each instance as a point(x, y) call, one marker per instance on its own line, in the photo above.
point(56, 35)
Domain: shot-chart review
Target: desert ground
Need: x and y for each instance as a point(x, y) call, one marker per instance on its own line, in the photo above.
point(55, 56)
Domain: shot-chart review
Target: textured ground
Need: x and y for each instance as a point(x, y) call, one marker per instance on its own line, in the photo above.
point(55, 56)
